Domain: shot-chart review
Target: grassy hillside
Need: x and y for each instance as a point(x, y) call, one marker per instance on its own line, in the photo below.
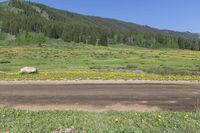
point(18, 17)
point(110, 23)
point(72, 52)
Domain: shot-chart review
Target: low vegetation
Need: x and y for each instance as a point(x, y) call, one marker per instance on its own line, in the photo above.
point(85, 75)
point(104, 122)
point(28, 38)
point(59, 60)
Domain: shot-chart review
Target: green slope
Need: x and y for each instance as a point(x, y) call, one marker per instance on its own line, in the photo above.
point(109, 23)
point(17, 16)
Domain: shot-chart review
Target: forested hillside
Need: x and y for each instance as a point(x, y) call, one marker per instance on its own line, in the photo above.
point(17, 17)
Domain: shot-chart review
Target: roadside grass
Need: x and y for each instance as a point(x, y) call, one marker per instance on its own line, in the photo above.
point(58, 57)
point(19, 121)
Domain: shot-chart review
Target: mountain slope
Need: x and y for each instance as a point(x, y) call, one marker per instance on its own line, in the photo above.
point(17, 16)
point(115, 24)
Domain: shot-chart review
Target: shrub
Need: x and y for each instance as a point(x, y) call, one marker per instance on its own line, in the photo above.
point(2, 36)
point(96, 67)
point(30, 38)
point(40, 39)
point(4, 62)
point(130, 66)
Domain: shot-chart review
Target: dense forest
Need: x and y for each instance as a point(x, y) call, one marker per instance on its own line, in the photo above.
point(17, 17)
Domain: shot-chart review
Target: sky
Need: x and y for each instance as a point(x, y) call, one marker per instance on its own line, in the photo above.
point(179, 15)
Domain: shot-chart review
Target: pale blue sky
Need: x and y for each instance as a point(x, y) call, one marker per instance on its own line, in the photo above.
point(180, 15)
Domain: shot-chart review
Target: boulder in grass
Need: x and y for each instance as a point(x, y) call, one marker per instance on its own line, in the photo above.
point(68, 130)
point(1, 72)
point(138, 71)
point(28, 70)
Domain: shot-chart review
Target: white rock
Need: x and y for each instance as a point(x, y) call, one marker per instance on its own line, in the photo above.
point(138, 71)
point(68, 130)
point(1, 72)
point(28, 70)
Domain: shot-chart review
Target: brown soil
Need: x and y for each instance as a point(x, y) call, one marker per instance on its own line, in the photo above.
point(100, 97)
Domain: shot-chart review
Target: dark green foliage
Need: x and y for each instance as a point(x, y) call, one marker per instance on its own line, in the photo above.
point(103, 40)
point(36, 18)
point(189, 44)
point(2, 36)
point(4, 62)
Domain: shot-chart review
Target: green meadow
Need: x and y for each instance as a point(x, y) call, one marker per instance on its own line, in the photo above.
point(57, 56)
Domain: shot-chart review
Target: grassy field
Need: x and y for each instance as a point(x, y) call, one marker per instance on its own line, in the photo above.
point(62, 58)
point(105, 122)
point(67, 61)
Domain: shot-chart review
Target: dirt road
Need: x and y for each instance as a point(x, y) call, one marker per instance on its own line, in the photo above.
point(180, 97)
